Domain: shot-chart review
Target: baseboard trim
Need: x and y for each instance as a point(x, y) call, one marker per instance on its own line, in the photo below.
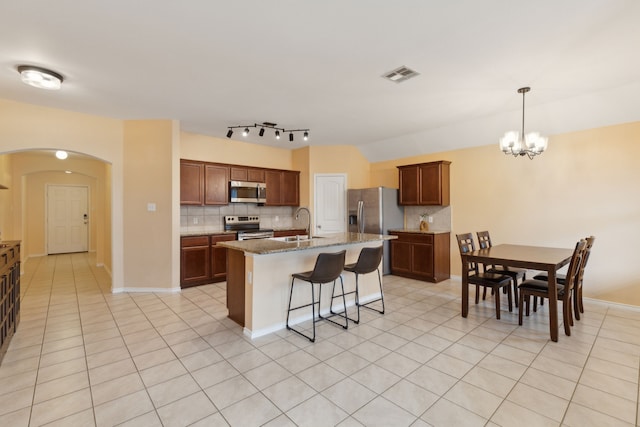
point(145, 290)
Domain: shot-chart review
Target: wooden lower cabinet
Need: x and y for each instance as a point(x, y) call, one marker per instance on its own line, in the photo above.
point(202, 261)
point(9, 293)
point(421, 256)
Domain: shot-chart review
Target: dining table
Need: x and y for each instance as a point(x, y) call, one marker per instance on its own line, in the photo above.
point(521, 256)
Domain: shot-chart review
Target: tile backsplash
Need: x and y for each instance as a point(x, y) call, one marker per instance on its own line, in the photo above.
point(210, 219)
point(441, 217)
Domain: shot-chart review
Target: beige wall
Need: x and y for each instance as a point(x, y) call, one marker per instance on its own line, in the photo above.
point(148, 178)
point(586, 183)
point(6, 207)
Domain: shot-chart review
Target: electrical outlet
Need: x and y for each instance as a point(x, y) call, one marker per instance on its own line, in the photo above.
point(195, 219)
point(430, 219)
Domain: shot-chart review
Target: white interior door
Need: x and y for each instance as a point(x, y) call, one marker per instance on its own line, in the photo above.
point(67, 219)
point(330, 203)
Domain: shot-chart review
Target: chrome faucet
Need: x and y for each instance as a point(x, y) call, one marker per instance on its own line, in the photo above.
point(302, 208)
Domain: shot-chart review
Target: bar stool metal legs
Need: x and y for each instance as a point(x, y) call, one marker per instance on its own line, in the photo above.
point(368, 262)
point(327, 269)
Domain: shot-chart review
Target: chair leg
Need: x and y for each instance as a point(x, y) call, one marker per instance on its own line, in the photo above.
point(289, 308)
point(567, 317)
point(509, 298)
point(381, 296)
point(580, 299)
point(478, 293)
point(497, 292)
point(576, 308)
point(528, 303)
point(535, 304)
point(515, 290)
point(521, 307)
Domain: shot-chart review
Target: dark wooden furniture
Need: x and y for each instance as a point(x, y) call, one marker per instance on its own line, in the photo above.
point(424, 184)
point(578, 306)
point(529, 257)
point(205, 183)
point(202, 260)
point(484, 241)
point(421, 256)
point(488, 280)
point(540, 288)
point(236, 286)
point(9, 293)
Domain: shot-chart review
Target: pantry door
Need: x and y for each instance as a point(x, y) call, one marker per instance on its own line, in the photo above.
point(330, 203)
point(67, 219)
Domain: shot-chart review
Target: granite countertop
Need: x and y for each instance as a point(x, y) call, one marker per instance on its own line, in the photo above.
point(271, 246)
point(418, 231)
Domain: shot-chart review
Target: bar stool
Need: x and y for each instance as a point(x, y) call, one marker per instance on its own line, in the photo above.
point(327, 269)
point(368, 262)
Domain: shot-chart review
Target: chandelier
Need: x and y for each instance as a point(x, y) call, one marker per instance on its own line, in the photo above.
point(518, 144)
point(268, 125)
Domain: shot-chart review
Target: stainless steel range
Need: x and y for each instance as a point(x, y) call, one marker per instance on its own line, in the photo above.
point(248, 227)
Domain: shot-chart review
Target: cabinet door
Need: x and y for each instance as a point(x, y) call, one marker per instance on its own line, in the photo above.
point(255, 175)
point(273, 179)
point(191, 183)
point(431, 184)
point(290, 188)
point(219, 258)
point(422, 260)
point(400, 257)
point(195, 265)
point(238, 174)
point(408, 183)
point(216, 185)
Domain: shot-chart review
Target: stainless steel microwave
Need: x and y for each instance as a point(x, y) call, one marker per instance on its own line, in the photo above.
point(247, 192)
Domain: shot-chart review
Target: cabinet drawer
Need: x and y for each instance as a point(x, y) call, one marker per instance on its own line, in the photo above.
point(414, 237)
point(222, 238)
point(191, 241)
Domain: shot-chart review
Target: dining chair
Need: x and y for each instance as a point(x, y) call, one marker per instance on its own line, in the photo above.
point(540, 288)
point(578, 306)
point(368, 262)
point(493, 281)
point(484, 241)
point(328, 268)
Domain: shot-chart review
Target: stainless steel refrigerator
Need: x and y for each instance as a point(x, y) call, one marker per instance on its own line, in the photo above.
point(375, 210)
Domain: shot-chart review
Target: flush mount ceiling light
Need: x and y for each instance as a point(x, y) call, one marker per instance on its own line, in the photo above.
point(60, 154)
point(268, 125)
point(40, 77)
point(519, 144)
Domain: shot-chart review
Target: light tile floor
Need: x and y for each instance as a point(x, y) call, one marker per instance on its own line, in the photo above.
point(83, 356)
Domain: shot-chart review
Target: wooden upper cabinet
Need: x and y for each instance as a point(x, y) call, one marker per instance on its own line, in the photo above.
point(424, 184)
point(216, 184)
point(238, 173)
point(283, 187)
point(191, 183)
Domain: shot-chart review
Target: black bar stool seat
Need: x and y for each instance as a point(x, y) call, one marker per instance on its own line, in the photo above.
point(368, 262)
point(327, 269)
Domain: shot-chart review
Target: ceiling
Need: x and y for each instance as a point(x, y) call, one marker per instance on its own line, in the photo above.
point(318, 65)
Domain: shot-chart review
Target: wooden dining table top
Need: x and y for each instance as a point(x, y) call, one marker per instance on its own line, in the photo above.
point(533, 257)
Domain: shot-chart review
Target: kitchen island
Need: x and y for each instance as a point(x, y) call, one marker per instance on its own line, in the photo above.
point(259, 277)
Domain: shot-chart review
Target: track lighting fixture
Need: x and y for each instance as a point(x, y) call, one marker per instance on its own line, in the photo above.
point(268, 125)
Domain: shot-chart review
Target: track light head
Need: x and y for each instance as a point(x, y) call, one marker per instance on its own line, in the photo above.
point(305, 136)
point(277, 134)
point(290, 136)
point(245, 132)
point(261, 133)
point(229, 133)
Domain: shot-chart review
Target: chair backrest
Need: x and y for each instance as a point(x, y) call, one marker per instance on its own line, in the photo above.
point(585, 259)
point(466, 245)
point(328, 267)
point(484, 240)
point(368, 260)
point(574, 266)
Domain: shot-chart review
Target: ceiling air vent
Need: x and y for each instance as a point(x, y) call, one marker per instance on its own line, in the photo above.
point(400, 74)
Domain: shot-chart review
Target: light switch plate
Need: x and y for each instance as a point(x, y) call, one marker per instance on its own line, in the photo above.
point(151, 207)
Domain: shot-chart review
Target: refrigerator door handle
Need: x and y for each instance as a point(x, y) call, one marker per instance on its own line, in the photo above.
point(360, 216)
